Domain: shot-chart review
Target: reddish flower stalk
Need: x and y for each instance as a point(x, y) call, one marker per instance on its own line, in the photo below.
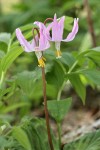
point(44, 95)
point(45, 109)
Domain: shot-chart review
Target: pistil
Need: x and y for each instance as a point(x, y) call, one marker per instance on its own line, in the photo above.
point(58, 54)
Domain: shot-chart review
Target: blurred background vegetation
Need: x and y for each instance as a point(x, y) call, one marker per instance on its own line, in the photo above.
point(25, 90)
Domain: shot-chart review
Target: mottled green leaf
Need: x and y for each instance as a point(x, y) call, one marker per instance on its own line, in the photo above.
point(21, 136)
point(58, 109)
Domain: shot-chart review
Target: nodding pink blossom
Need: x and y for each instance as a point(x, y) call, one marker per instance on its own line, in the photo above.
point(57, 27)
point(57, 32)
point(38, 44)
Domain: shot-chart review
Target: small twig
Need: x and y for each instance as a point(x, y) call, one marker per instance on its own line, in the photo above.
point(90, 22)
point(45, 109)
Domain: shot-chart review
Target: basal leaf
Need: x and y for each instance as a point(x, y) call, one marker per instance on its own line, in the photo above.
point(58, 109)
point(9, 58)
point(26, 81)
point(35, 134)
point(13, 107)
point(20, 135)
point(4, 143)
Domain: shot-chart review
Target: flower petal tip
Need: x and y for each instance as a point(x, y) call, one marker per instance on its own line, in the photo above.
point(36, 22)
point(55, 16)
point(17, 30)
point(76, 19)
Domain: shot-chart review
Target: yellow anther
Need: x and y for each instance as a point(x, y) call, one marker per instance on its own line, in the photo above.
point(44, 58)
point(58, 54)
point(41, 62)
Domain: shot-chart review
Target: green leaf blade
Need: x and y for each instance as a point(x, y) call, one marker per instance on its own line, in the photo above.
point(78, 85)
point(58, 109)
point(22, 138)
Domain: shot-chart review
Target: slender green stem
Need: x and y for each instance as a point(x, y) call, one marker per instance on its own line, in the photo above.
point(1, 80)
point(58, 98)
point(46, 110)
point(9, 45)
point(72, 67)
point(59, 133)
point(58, 123)
point(60, 91)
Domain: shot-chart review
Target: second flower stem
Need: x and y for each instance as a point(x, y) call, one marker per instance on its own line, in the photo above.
point(59, 133)
point(46, 110)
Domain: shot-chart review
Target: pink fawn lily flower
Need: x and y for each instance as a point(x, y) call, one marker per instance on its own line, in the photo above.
point(38, 44)
point(57, 32)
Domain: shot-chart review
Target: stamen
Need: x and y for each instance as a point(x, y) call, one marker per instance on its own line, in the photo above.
point(58, 54)
point(48, 19)
point(44, 58)
point(38, 53)
point(41, 62)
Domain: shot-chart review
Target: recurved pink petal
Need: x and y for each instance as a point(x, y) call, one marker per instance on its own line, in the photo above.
point(44, 35)
point(46, 30)
point(55, 26)
point(61, 27)
point(35, 42)
point(39, 24)
point(57, 29)
point(72, 34)
point(43, 42)
point(23, 42)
